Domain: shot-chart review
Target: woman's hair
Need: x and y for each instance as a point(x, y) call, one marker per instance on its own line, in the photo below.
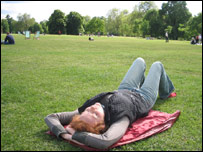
point(82, 126)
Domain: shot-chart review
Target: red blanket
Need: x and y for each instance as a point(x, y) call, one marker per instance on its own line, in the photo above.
point(154, 123)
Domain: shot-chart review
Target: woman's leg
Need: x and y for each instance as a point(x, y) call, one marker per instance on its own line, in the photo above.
point(156, 82)
point(135, 77)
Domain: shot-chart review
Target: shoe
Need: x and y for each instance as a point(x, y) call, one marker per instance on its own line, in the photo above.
point(173, 94)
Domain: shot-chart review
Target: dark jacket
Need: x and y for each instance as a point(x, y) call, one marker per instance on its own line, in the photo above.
point(119, 104)
point(10, 39)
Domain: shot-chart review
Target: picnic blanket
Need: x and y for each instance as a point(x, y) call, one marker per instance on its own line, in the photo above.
point(142, 128)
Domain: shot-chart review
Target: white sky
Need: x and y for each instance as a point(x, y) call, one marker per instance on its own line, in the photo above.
point(42, 10)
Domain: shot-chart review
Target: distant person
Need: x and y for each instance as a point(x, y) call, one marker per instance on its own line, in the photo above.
point(197, 39)
point(193, 41)
point(166, 35)
point(59, 32)
point(91, 39)
point(200, 38)
point(9, 39)
point(99, 34)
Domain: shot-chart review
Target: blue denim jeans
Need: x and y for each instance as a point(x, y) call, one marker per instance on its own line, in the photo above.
point(6, 43)
point(156, 82)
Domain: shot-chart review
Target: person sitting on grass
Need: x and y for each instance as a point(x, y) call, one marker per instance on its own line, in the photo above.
point(193, 41)
point(9, 39)
point(102, 120)
point(91, 39)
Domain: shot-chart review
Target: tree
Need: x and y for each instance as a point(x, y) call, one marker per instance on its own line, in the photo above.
point(146, 6)
point(25, 21)
point(135, 19)
point(44, 26)
point(175, 13)
point(95, 25)
point(185, 31)
point(86, 19)
point(104, 22)
point(124, 28)
point(137, 27)
point(192, 28)
point(36, 27)
point(169, 29)
point(9, 19)
point(145, 28)
point(4, 26)
point(113, 21)
point(195, 24)
point(56, 22)
point(154, 22)
point(14, 26)
point(74, 23)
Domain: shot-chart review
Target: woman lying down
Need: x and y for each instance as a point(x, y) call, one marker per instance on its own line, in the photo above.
point(102, 120)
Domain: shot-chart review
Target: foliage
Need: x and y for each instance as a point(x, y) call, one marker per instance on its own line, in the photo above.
point(154, 22)
point(25, 21)
point(36, 27)
point(86, 20)
point(145, 19)
point(44, 26)
point(175, 13)
point(195, 24)
point(10, 23)
point(145, 6)
point(74, 23)
point(95, 25)
point(113, 21)
point(169, 29)
point(4, 25)
point(145, 27)
point(56, 22)
point(192, 28)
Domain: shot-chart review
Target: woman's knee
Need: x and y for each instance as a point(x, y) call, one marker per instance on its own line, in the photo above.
point(140, 61)
point(157, 65)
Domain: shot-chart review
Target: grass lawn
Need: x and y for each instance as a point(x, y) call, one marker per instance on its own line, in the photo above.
point(59, 73)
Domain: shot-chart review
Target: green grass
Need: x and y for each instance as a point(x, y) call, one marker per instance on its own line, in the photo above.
point(59, 73)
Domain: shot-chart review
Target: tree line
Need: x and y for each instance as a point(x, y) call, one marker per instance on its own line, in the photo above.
point(144, 21)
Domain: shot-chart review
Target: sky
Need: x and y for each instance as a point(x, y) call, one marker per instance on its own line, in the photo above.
point(42, 10)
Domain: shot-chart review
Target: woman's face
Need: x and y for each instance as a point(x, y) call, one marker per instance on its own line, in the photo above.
point(93, 114)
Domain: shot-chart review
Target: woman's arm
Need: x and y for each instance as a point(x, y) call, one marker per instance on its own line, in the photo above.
point(56, 121)
point(69, 137)
point(103, 141)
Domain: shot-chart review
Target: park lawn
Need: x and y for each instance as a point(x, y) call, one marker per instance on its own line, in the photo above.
point(59, 73)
